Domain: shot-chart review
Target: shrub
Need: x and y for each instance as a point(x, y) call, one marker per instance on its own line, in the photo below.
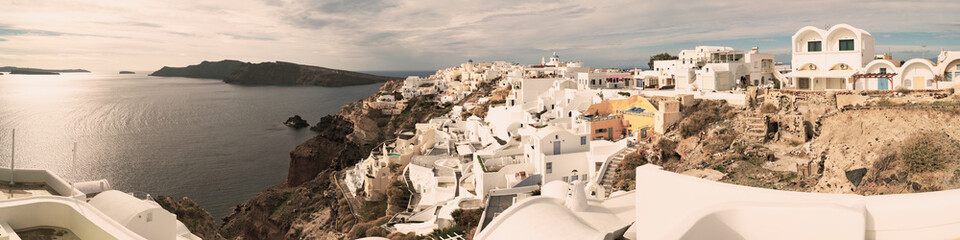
point(376, 231)
point(703, 114)
point(626, 172)
point(769, 108)
point(373, 210)
point(467, 218)
point(668, 150)
point(903, 90)
point(625, 94)
point(360, 230)
point(928, 151)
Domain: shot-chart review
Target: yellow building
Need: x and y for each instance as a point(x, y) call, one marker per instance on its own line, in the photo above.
point(635, 116)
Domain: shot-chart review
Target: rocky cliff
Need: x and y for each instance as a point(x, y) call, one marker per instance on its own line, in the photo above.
point(212, 70)
point(198, 220)
point(308, 205)
point(284, 73)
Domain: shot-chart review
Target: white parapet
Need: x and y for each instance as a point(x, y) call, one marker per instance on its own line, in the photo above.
point(676, 206)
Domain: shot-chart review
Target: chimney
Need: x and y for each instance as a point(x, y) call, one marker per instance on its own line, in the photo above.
point(577, 201)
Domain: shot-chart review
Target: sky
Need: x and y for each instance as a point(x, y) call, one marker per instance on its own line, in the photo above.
point(434, 34)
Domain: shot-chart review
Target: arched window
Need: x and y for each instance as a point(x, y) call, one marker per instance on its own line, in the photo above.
point(574, 175)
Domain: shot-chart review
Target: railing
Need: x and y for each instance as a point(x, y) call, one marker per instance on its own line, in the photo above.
point(606, 165)
point(141, 195)
point(595, 119)
point(351, 200)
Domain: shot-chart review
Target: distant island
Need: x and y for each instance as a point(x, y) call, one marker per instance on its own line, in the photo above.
point(12, 69)
point(33, 72)
point(206, 69)
point(127, 72)
point(271, 73)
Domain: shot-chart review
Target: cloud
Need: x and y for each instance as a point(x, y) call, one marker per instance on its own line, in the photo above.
point(427, 34)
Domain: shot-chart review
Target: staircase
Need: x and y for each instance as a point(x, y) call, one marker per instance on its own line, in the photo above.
point(608, 174)
point(756, 128)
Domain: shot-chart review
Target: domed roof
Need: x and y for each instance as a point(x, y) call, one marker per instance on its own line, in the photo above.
point(469, 60)
point(555, 55)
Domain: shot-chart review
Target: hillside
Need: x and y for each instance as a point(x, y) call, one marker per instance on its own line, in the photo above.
point(284, 73)
point(206, 69)
point(271, 73)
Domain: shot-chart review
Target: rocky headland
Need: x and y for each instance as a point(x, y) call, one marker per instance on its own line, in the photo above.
point(271, 73)
point(206, 69)
point(284, 73)
point(33, 72)
point(19, 69)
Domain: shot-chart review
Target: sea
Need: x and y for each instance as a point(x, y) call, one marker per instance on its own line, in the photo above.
point(216, 143)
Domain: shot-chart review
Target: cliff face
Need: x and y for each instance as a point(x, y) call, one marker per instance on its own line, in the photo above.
point(211, 70)
point(308, 205)
point(198, 220)
point(283, 73)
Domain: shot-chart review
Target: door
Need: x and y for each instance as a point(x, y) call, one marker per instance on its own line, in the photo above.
point(803, 83)
point(883, 84)
point(556, 148)
point(918, 83)
point(610, 134)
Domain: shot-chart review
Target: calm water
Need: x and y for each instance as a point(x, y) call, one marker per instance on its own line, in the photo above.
point(216, 143)
point(402, 74)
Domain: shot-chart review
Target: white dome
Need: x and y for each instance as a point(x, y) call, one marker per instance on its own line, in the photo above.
point(555, 189)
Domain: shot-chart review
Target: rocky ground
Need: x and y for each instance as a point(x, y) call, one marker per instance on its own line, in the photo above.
point(881, 145)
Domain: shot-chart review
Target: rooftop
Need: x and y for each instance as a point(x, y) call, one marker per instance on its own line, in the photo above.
point(22, 190)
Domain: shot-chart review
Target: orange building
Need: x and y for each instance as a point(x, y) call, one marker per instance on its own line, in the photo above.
point(615, 119)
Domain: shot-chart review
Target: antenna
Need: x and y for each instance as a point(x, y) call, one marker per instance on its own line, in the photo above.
point(923, 51)
point(13, 152)
point(13, 143)
point(75, 172)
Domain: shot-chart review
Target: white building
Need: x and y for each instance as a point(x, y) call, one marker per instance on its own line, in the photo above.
point(715, 68)
point(843, 58)
point(827, 59)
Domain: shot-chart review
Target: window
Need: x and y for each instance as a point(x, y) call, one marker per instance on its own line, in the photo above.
point(583, 140)
point(883, 70)
point(549, 167)
point(575, 177)
point(846, 45)
point(566, 179)
point(813, 46)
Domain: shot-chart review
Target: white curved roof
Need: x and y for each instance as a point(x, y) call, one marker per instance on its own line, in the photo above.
point(121, 206)
point(540, 218)
point(555, 189)
point(679, 206)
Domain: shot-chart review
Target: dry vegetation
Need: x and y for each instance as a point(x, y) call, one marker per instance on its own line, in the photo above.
point(704, 113)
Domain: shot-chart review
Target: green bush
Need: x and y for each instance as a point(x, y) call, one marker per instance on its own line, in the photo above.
point(928, 151)
point(625, 94)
